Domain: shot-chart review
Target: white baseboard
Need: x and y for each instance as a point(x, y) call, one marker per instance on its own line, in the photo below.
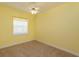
point(13, 43)
point(69, 51)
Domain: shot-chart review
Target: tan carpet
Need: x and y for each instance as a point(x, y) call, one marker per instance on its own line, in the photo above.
point(33, 49)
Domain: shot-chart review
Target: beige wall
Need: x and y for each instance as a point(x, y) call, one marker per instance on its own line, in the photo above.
point(60, 26)
point(6, 36)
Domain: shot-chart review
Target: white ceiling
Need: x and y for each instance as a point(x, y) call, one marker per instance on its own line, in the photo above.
point(44, 6)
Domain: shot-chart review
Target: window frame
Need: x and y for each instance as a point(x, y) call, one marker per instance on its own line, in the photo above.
point(21, 19)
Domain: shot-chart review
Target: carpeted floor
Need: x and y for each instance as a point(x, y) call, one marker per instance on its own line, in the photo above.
point(33, 49)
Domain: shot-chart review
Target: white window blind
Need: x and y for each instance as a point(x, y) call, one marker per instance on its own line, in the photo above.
point(20, 26)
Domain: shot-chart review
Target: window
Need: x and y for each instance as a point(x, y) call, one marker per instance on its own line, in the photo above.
point(20, 26)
